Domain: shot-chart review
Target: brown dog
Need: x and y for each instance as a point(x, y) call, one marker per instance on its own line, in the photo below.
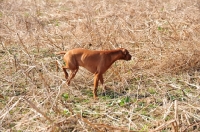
point(96, 62)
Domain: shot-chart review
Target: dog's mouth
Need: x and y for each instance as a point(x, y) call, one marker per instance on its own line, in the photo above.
point(128, 57)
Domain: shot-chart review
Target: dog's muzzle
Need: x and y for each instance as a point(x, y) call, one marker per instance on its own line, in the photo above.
point(128, 57)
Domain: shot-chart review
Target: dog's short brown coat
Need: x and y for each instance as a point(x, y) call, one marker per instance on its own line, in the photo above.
point(96, 62)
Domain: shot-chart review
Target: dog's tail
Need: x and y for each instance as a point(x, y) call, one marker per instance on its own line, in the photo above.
point(61, 52)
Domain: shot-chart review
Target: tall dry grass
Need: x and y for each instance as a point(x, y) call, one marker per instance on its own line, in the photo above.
point(156, 91)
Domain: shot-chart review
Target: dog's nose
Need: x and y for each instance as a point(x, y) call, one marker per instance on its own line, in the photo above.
point(129, 57)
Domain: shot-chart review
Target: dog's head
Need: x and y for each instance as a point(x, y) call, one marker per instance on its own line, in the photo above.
point(125, 54)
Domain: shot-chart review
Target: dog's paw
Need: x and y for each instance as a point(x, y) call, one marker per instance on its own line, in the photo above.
point(96, 98)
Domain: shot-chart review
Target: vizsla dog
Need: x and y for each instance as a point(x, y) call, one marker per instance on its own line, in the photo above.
point(96, 62)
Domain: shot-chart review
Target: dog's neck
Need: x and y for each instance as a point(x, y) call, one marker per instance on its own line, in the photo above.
point(115, 55)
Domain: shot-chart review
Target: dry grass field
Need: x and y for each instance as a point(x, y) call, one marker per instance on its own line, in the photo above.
point(158, 90)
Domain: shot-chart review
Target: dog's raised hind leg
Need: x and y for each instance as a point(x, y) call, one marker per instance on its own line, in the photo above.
point(72, 75)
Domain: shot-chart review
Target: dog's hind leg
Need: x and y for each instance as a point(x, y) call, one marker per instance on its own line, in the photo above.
point(72, 75)
point(66, 74)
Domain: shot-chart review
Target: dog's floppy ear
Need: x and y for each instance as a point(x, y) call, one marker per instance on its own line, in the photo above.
point(124, 51)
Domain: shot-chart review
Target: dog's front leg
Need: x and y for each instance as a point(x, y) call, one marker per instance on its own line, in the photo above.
point(102, 81)
point(96, 80)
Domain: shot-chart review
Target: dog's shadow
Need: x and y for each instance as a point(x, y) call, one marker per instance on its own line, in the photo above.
point(107, 92)
point(111, 93)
